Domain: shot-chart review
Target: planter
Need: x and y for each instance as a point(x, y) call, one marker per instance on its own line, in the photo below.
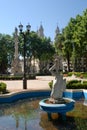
point(61, 109)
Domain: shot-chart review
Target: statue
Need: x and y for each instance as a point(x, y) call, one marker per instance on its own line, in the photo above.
point(59, 84)
point(57, 103)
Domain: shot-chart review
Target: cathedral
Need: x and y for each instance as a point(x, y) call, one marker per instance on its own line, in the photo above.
point(40, 31)
point(17, 64)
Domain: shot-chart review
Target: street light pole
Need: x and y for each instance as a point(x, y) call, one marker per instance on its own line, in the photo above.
point(24, 37)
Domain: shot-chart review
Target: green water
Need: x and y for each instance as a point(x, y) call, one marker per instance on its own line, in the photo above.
point(26, 115)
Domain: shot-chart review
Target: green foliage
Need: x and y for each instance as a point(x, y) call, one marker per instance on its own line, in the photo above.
point(3, 87)
point(77, 74)
point(37, 48)
point(40, 48)
point(69, 73)
point(76, 84)
point(19, 77)
point(72, 84)
point(50, 84)
point(6, 52)
point(58, 43)
point(74, 39)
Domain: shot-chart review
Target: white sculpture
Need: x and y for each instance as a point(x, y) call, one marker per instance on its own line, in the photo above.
point(59, 84)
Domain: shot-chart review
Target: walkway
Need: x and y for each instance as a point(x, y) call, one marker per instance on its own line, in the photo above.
point(40, 83)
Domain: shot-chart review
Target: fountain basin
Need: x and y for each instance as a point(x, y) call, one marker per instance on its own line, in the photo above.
point(85, 94)
point(57, 108)
point(14, 96)
point(75, 94)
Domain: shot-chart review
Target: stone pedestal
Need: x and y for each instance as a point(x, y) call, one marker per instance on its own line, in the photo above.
point(16, 67)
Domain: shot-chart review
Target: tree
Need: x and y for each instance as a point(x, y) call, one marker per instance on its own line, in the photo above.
point(37, 48)
point(47, 52)
point(58, 43)
point(6, 52)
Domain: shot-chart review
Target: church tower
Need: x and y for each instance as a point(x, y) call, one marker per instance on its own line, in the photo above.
point(57, 31)
point(40, 31)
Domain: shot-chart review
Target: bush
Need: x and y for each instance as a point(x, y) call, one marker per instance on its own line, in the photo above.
point(3, 87)
point(50, 84)
point(77, 74)
point(74, 81)
point(69, 73)
point(85, 82)
point(75, 84)
point(17, 77)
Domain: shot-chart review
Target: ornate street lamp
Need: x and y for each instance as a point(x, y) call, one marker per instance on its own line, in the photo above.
point(24, 34)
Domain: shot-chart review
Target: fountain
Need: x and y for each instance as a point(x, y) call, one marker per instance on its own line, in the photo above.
point(56, 103)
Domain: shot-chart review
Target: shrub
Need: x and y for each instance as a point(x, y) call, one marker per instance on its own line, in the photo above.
point(77, 74)
point(17, 77)
point(85, 82)
point(3, 87)
point(74, 81)
point(50, 84)
point(75, 84)
point(70, 73)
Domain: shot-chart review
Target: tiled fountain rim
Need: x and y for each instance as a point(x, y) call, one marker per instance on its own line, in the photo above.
point(20, 92)
point(16, 95)
point(27, 91)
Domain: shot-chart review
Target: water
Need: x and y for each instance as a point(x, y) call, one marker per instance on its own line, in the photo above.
point(26, 115)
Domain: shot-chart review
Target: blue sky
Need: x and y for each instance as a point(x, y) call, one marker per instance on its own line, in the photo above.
point(48, 12)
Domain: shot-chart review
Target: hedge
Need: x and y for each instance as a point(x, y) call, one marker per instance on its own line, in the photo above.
point(3, 87)
point(77, 74)
point(73, 84)
point(9, 77)
point(76, 84)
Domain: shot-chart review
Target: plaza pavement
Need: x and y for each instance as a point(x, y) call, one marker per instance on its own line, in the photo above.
point(40, 83)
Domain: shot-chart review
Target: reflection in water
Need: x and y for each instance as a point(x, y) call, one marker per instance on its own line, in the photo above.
point(19, 115)
point(26, 114)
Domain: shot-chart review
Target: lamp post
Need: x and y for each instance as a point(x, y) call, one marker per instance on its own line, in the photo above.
point(24, 34)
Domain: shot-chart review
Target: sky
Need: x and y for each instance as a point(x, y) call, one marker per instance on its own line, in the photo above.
point(49, 13)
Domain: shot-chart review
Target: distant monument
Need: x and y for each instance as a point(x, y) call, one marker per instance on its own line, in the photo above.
point(40, 31)
point(16, 66)
point(59, 84)
point(57, 31)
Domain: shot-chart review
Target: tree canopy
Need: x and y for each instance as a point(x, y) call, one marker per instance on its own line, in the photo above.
point(74, 37)
point(6, 52)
